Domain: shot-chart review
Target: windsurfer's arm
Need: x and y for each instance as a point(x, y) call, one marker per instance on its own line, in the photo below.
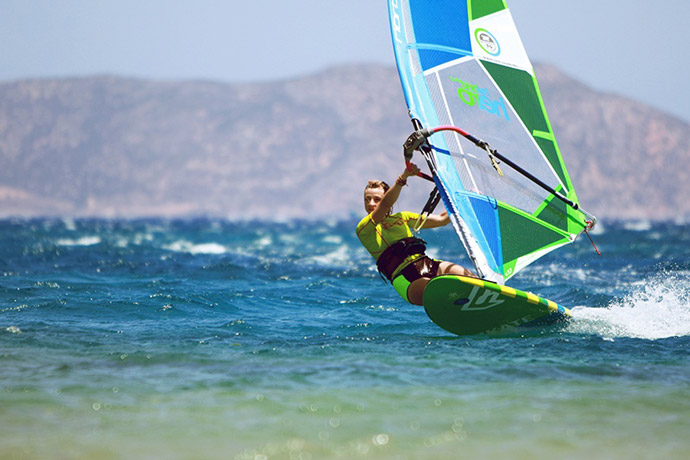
point(436, 220)
point(391, 196)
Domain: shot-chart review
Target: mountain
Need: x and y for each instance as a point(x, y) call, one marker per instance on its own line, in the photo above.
point(118, 147)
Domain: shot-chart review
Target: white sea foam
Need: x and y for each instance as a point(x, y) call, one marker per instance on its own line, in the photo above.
point(333, 239)
point(196, 248)
point(638, 225)
point(140, 238)
point(656, 309)
point(83, 241)
point(264, 242)
point(69, 224)
point(137, 239)
point(339, 256)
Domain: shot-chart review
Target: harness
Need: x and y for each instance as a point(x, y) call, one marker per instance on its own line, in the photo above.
point(396, 253)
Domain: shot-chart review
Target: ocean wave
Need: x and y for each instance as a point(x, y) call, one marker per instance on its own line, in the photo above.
point(341, 256)
point(655, 309)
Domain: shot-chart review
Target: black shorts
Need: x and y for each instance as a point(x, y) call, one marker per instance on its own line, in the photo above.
point(423, 267)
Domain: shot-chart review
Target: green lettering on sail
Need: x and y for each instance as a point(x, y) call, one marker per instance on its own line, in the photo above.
point(473, 96)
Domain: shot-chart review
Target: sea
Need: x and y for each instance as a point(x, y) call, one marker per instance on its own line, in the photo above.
point(219, 339)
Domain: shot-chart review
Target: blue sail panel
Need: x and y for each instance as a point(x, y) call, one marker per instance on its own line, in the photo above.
point(434, 32)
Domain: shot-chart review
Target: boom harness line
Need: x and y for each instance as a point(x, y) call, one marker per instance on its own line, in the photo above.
point(418, 141)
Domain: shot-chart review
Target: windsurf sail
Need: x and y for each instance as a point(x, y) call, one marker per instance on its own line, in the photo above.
point(481, 124)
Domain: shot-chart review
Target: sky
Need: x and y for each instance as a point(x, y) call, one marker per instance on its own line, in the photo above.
point(636, 48)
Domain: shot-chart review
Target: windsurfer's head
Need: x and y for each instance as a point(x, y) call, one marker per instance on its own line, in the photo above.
point(373, 194)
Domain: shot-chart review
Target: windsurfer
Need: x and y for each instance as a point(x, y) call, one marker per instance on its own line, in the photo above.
point(399, 256)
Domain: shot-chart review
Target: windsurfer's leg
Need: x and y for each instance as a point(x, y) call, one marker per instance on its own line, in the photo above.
point(449, 268)
point(415, 291)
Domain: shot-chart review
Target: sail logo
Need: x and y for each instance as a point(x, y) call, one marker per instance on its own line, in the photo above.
point(473, 96)
point(488, 299)
point(487, 42)
point(395, 20)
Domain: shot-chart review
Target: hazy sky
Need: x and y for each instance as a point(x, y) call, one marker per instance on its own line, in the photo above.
point(637, 48)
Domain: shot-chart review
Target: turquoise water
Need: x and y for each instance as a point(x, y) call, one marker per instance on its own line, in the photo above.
point(211, 339)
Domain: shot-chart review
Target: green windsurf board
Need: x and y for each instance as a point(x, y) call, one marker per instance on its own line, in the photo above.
point(464, 306)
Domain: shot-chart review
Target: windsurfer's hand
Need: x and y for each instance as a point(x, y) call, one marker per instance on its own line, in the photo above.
point(411, 170)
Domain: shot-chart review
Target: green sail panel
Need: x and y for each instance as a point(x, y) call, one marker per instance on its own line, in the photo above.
point(481, 8)
point(521, 90)
point(526, 235)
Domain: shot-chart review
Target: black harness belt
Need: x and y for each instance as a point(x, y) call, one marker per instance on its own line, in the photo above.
point(396, 254)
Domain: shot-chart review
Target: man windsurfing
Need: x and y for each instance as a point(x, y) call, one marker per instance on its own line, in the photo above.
point(400, 256)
